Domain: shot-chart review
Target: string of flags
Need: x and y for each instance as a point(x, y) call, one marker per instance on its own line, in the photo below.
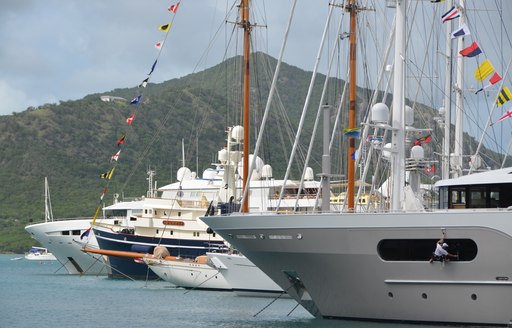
point(136, 102)
point(485, 69)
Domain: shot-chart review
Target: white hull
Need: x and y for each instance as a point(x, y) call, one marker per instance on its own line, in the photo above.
point(243, 276)
point(62, 239)
point(188, 274)
point(331, 264)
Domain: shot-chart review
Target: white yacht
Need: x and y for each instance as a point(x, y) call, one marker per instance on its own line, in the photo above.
point(39, 254)
point(198, 273)
point(375, 266)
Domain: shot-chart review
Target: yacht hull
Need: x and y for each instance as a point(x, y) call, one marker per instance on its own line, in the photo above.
point(122, 267)
point(236, 269)
point(189, 274)
point(62, 239)
point(330, 263)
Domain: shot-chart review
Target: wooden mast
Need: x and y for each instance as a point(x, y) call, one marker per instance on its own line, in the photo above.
point(352, 8)
point(246, 25)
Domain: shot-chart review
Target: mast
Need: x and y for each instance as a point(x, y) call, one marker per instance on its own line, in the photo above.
point(459, 110)
point(48, 214)
point(352, 8)
point(447, 99)
point(398, 136)
point(246, 25)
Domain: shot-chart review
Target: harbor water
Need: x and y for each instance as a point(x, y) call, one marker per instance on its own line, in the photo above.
point(34, 294)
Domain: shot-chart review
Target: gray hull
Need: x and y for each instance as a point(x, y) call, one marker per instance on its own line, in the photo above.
point(331, 264)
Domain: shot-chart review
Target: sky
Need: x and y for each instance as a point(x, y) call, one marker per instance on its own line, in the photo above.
point(58, 50)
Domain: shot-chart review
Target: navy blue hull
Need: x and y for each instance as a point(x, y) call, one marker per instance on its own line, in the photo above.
point(127, 268)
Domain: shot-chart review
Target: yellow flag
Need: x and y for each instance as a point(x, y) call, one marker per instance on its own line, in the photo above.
point(484, 70)
point(503, 96)
point(165, 28)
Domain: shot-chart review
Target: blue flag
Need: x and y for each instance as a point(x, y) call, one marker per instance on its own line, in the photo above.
point(135, 101)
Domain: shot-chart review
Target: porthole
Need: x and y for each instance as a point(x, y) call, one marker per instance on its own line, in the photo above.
point(424, 296)
point(473, 297)
point(390, 295)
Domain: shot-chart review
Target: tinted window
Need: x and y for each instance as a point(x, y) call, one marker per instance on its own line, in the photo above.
point(422, 249)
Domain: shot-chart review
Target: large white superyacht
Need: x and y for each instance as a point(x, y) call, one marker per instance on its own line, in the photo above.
point(376, 266)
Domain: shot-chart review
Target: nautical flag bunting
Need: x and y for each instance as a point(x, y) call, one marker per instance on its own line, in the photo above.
point(450, 14)
point(174, 8)
point(503, 96)
point(121, 140)
point(352, 132)
point(507, 115)
point(471, 51)
point(484, 70)
point(423, 140)
point(135, 101)
point(153, 67)
point(108, 175)
point(461, 31)
point(493, 80)
point(130, 118)
point(115, 157)
point(165, 28)
point(144, 83)
point(159, 45)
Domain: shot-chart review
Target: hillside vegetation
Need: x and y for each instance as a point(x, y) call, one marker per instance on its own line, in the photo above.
point(72, 142)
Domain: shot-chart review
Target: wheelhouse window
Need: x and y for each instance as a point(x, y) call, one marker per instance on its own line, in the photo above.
point(475, 196)
point(421, 249)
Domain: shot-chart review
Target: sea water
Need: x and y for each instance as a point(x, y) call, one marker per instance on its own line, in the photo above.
point(42, 294)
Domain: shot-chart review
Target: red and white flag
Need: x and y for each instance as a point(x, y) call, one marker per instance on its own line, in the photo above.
point(130, 118)
point(174, 8)
point(115, 157)
point(507, 115)
point(159, 45)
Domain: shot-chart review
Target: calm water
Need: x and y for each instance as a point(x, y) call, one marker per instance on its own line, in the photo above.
point(33, 295)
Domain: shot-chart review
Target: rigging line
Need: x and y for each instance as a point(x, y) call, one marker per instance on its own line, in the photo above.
point(273, 300)
point(319, 112)
point(305, 108)
point(296, 306)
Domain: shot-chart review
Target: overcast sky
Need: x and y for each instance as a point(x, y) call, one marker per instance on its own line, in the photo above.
point(56, 50)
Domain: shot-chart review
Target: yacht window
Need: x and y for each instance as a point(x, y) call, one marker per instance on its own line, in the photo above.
point(132, 218)
point(421, 249)
point(76, 232)
point(65, 233)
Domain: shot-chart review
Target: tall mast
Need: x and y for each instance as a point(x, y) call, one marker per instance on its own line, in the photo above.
point(352, 8)
point(246, 25)
point(398, 136)
point(447, 99)
point(459, 110)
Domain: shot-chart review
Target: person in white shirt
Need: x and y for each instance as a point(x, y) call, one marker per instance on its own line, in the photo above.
point(440, 253)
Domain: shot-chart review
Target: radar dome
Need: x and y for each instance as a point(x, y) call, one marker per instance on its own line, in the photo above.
point(417, 152)
point(256, 172)
point(183, 174)
point(380, 113)
point(237, 133)
point(266, 171)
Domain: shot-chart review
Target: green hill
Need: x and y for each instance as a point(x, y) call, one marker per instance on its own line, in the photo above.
point(72, 142)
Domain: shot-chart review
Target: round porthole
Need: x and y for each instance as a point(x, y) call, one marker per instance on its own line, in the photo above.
point(424, 296)
point(473, 297)
point(390, 295)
